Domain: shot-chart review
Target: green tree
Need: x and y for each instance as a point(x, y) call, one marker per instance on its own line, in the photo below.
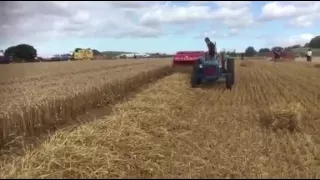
point(264, 50)
point(77, 49)
point(96, 52)
point(296, 46)
point(9, 51)
point(289, 48)
point(22, 52)
point(250, 51)
point(315, 42)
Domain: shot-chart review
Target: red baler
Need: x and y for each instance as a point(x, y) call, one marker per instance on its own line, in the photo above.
point(186, 58)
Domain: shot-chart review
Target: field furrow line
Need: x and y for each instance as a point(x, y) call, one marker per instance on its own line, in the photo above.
point(275, 90)
point(263, 81)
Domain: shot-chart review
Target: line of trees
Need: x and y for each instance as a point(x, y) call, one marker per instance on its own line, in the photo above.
point(26, 52)
point(314, 43)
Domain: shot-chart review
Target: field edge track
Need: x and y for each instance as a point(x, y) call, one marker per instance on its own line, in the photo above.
point(43, 118)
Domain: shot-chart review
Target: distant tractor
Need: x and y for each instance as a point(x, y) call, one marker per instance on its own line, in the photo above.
point(82, 54)
point(282, 56)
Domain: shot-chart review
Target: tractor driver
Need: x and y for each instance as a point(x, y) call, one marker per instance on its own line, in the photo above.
point(212, 52)
point(211, 48)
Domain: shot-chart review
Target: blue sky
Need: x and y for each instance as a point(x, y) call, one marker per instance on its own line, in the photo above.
point(163, 26)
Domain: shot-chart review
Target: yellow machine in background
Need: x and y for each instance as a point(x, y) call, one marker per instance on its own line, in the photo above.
point(82, 54)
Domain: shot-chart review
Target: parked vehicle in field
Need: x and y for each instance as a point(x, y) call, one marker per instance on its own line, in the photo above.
point(82, 54)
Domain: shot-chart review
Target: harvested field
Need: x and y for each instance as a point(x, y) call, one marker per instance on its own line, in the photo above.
point(246, 63)
point(16, 73)
point(31, 105)
point(266, 127)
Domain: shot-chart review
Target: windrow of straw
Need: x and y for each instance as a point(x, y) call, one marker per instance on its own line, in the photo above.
point(282, 117)
point(43, 115)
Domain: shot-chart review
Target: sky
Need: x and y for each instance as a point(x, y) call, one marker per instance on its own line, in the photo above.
point(156, 26)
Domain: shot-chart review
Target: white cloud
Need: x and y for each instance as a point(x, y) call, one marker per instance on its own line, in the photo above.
point(305, 20)
point(219, 34)
point(299, 13)
point(35, 21)
point(25, 21)
point(131, 4)
point(233, 14)
point(173, 14)
point(233, 4)
point(196, 3)
point(301, 39)
point(233, 32)
point(207, 34)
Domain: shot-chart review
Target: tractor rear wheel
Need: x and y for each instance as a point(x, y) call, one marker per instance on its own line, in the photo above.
point(230, 69)
point(195, 79)
point(229, 81)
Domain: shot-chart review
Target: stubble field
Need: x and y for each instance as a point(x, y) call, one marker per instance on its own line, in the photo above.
point(38, 96)
point(265, 127)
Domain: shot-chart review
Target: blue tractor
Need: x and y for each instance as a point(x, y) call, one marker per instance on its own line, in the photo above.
point(210, 70)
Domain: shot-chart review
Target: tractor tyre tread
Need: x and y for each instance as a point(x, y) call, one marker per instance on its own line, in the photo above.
point(231, 69)
point(229, 81)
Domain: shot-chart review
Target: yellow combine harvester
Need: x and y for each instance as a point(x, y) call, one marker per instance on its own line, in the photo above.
point(82, 54)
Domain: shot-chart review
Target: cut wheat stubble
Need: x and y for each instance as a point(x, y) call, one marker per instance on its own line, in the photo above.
point(77, 95)
point(173, 131)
